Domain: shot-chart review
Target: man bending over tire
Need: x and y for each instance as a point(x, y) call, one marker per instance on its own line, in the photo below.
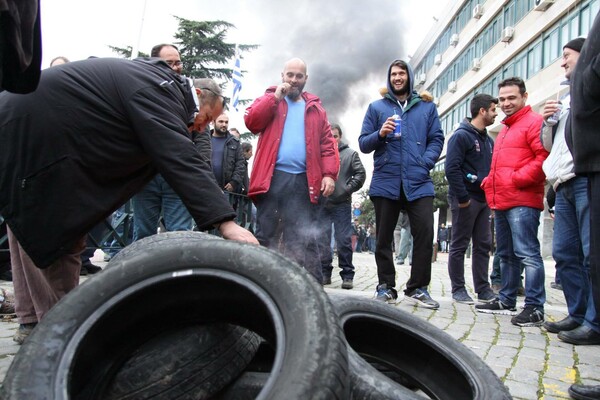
point(89, 138)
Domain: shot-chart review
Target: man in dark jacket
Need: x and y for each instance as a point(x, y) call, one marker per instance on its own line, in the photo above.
point(401, 179)
point(91, 136)
point(228, 162)
point(583, 133)
point(337, 210)
point(468, 160)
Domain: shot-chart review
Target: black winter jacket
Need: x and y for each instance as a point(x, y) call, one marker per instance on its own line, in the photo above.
point(89, 138)
point(233, 164)
point(351, 177)
point(584, 129)
point(468, 152)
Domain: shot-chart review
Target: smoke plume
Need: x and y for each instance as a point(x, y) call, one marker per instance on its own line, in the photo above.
point(345, 44)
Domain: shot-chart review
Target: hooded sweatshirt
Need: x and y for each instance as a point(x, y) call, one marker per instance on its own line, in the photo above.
point(405, 161)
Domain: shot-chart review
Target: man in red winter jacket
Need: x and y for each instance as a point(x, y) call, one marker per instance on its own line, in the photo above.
point(296, 161)
point(514, 189)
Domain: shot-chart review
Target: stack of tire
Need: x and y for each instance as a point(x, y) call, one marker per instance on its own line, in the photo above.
point(185, 315)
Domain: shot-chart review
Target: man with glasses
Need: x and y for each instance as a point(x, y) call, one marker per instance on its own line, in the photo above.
point(157, 199)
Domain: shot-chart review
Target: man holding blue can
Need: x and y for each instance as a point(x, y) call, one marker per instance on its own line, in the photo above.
point(401, 179)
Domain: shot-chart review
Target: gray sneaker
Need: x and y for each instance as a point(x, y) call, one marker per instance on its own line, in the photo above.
point(421, 298)
point(487, 296)
point(461, 296)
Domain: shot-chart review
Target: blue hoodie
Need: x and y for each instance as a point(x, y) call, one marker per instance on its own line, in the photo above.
point(405, 161)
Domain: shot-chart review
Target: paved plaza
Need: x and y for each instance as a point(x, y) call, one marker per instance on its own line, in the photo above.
point(532, 363)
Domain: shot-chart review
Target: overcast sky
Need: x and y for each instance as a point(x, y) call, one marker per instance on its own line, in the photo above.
point(347, 44)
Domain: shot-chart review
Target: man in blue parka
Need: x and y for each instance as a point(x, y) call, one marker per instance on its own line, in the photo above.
point(401, 179)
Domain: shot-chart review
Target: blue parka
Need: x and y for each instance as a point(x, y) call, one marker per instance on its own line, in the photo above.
point(405, 161)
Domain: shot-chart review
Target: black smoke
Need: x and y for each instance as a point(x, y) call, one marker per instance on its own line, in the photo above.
point(346, 44)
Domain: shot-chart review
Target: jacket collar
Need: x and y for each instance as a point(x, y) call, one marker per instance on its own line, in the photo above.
point(508, 121)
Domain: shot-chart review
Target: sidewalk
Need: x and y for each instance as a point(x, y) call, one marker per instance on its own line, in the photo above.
point(533, 364)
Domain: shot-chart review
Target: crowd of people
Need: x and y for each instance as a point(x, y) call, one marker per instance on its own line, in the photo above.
point(118, 130)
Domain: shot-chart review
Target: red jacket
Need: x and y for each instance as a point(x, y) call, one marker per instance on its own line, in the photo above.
point(266, 116)
point(516, 177)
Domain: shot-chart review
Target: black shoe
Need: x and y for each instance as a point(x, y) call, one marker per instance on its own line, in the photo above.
point(530, 316)
point(580, 336)
point(585, 392)
point(567, 324)
point(91, 269)
point(496, 307)
point(385, 294)
point(555, 285)
point(326, 280)
point(347, 284)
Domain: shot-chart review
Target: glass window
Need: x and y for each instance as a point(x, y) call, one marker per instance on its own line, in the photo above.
point(534, 60)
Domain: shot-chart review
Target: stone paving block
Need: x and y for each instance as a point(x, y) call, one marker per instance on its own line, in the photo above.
point(522, 390)
point(523, 375)
point(530, 363)
point(560, 359)
point(561, 373)
point(588, 354)
point(588, 371)
point(538, 354)
point(556, 389)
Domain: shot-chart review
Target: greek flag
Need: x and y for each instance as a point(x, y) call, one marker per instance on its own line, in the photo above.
point(237, 81)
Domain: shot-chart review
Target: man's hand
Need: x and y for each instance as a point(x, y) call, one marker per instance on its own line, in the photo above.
point(388, 127)
point(282, 90)
point(327, 186)
point(232, 231)
point(550, 108)
point(229, 187)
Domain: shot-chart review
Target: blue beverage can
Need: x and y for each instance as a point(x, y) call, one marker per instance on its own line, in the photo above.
point(398, 129)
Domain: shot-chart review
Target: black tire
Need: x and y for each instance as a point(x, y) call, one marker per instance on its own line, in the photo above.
point(190, 363)
point(88, 335)
point(421, 355)
point(138, 247)
point(246, 387)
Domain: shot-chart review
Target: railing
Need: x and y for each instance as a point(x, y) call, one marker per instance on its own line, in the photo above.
point(116, 234)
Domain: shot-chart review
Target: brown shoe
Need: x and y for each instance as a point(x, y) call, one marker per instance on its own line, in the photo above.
point(23, 331)
point(7, 303)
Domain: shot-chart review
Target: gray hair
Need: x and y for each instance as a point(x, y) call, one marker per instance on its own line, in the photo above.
point(210, 86)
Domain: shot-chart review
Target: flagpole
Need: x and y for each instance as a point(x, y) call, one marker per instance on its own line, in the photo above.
point(136, 50)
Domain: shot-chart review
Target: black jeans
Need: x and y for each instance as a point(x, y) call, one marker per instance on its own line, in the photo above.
point(287, 221)
point(420, 214)
point(470, 222)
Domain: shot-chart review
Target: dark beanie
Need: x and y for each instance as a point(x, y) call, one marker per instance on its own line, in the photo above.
point(575, 44)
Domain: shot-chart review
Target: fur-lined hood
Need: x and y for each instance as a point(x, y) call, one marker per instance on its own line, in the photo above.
point(425, 94)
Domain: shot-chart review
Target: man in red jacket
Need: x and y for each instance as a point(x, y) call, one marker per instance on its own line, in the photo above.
point(514, 189)
point(296, 160)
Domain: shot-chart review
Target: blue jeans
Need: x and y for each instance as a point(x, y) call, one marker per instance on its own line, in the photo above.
point(341, 217)
point(155, 198)
point(571, 245)
point(517, 243)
